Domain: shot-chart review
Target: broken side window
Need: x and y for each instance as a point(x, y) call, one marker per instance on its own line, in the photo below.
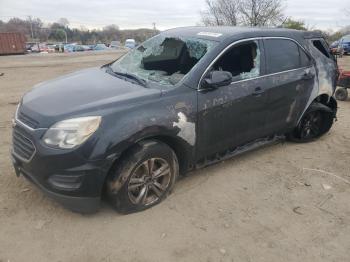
point(320, 46)
point(242, 61)
point(165, 60)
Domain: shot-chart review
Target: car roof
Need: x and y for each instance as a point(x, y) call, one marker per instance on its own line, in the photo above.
point(221, 33)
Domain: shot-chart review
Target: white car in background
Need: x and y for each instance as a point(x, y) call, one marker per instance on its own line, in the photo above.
point(130, 43)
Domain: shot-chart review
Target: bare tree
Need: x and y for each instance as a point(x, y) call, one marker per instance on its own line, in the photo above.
point(220, 12)
point(243, 12)
point(63, 22)
point(261, 12)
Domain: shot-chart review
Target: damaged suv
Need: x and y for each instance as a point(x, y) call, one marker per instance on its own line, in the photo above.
point(183, 99)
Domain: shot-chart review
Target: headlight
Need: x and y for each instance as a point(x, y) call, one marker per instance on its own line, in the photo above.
point(71, 132)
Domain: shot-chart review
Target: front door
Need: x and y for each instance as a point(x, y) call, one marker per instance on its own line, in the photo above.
point(235, 114)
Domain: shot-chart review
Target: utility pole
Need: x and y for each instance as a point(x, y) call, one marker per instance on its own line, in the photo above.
point(154, 28)
point(65, 33)
point(31, 26)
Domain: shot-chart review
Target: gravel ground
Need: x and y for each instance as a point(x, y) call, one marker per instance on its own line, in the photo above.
point(286, 202)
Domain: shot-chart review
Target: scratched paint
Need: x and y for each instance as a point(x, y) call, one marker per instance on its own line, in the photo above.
point(187, 129)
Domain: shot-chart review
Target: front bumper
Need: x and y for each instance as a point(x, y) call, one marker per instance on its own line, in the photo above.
point(74, 203)
point(67, 176)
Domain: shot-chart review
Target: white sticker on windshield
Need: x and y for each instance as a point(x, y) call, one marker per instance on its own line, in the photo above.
point(209, 34)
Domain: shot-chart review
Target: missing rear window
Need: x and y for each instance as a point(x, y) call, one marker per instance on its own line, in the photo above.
point(318, 44)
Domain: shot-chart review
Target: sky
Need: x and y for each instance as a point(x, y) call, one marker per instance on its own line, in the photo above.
point(130, 14)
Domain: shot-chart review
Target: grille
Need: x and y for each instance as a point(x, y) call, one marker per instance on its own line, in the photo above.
point(22, 146)
point(27, 120)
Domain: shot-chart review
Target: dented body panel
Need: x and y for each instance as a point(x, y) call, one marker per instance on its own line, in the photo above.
point(197, 122)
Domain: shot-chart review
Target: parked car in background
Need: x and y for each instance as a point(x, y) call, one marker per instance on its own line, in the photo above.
point(344, 44)
point(40, 48)
point(334, 47)
point(51, 48)
point(115, 44)
point(73, 48)
point(87, 47)
point(29, 46)
point(184, 99)
point(100, 47)
point(130, 43)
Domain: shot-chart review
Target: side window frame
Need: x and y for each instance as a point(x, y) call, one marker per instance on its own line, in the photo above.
point(266, 39)
point(325, 46)
point(311, 60)
point(300, 49)
point(229, 47)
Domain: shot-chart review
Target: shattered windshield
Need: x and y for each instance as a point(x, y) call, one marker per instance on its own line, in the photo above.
point(163, 59)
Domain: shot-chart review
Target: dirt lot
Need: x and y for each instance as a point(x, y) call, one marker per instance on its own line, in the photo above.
point(286, 202)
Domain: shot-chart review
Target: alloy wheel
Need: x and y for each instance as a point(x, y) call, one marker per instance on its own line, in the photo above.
point(311, 125)
point(149, 181)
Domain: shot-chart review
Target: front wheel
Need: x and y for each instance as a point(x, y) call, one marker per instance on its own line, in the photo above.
point(143, 178)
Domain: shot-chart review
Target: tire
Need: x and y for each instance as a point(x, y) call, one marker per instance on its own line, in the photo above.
point(143, 178)
point(314, 123)
point(341, 94)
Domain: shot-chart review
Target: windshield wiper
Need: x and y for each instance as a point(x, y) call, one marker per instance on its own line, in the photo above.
point(133, 77)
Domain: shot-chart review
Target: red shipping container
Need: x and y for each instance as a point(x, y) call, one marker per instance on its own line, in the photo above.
point(12, 43)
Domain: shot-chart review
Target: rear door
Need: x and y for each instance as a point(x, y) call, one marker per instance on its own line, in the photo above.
point(290, 76)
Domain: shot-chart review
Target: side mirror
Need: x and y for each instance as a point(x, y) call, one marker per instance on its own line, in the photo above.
point(217, 79)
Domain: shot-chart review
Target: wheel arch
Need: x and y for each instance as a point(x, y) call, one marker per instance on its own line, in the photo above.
point(328, 101)
point(325, 104)
point(182, 150)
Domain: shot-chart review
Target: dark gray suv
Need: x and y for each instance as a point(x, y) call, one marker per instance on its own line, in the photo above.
point(184, 99)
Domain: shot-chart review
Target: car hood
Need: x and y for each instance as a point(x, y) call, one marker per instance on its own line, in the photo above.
point(80, 93)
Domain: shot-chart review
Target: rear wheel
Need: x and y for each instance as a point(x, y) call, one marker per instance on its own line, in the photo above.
point(143, 178)
point(341, 94)
point(313, 124)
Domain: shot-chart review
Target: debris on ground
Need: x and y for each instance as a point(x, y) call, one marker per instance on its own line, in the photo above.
point(296, 210)
point(326, 186)
point(328, 197)
point(222, 251)
point(327, 173)
point(1, 74)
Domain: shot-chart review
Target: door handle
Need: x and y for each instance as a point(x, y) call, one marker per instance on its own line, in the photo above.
point(307, 76)
point(258, 91)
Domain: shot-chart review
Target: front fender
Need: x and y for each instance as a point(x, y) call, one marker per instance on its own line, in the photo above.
point(172, 115)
